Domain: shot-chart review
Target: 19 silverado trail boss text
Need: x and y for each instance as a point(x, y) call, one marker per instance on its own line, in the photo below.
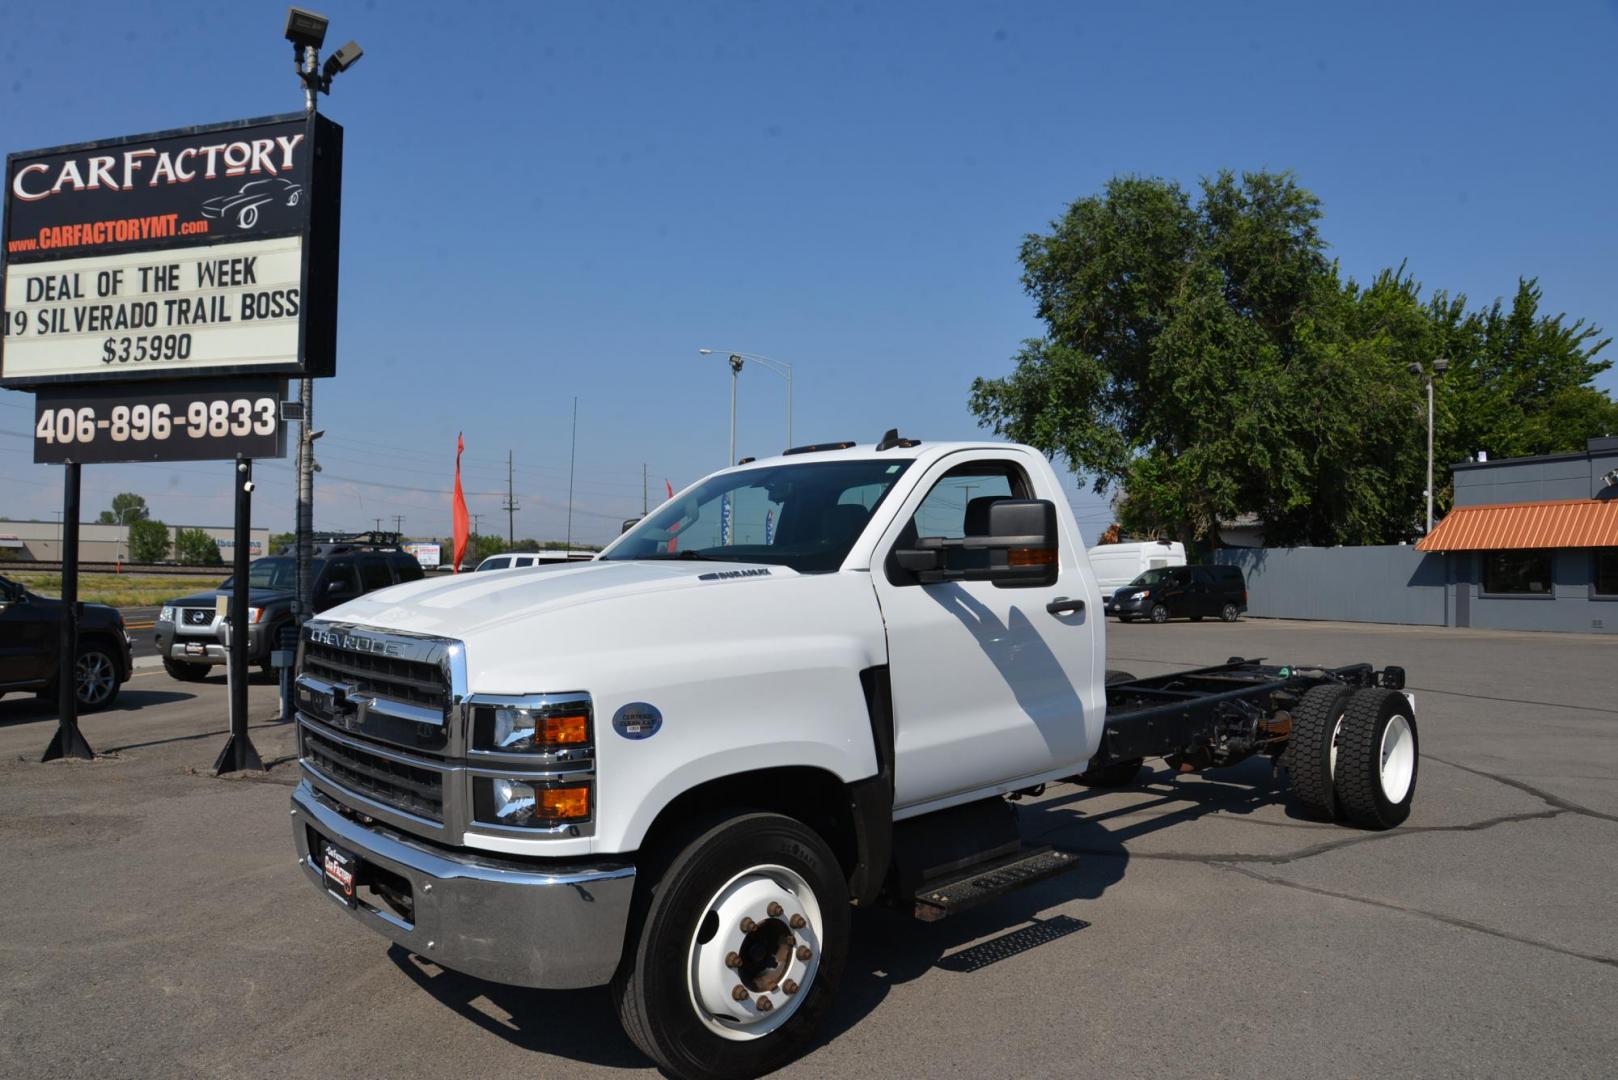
point(802, 684)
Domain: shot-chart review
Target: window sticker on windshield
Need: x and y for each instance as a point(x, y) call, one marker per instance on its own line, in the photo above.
point(892, 469)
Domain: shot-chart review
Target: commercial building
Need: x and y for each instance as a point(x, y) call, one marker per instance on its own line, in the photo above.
point(41, 541)
point(1532, 543)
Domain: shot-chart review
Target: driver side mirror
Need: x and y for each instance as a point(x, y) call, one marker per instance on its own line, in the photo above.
point(1020, 542)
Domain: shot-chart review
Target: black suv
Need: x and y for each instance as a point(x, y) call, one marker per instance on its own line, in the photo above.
point(1170, 592)
point(30, 629)
point(190, 634)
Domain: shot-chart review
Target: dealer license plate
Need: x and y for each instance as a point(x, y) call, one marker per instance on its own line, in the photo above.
point(341, 870)
point(196, 650)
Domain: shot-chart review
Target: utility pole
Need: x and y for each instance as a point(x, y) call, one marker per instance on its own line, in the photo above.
point(572, 453)
point(511, 506)
point(398, 524)
point(378, 524)
point(476, 533)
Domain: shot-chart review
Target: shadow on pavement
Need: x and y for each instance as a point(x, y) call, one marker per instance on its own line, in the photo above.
point(889, 947)
point(28, 709)
point(578, 1024)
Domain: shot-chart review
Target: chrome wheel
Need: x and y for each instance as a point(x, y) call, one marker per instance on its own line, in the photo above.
point(95, 679)
point(755, 953)
point(1398, 756)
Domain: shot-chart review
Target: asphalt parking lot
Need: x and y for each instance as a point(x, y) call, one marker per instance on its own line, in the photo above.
point(155, 923)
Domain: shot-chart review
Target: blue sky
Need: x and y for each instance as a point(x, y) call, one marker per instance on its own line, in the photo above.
point(569, 199)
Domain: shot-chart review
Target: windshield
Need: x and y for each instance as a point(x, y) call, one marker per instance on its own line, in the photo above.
point(275, 573)
point(804, 516)
point(1156, 576)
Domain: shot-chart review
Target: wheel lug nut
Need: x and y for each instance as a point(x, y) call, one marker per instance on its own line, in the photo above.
point(765, 1004)
point(789, 988)
point(797, 922)
point(774, 909)
point(733, 961)
point(748, 926)
point(804, 953)
point(738, 993)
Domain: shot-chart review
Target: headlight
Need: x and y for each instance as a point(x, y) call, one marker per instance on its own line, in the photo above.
point(167, 614)
point(529, 803)
point(1143, 594)
point(512, 729)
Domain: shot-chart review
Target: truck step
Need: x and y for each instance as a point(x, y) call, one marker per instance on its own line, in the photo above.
point(985, 882)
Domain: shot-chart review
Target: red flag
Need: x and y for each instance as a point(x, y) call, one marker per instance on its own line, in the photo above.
point(669, 486)
point(463, 521)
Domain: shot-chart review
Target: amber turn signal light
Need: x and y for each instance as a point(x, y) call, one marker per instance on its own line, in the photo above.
point(564, 803)
point(564, 729)
point(1031, 557)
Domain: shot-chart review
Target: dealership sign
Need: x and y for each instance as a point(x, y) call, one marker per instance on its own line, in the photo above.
point(195, 253)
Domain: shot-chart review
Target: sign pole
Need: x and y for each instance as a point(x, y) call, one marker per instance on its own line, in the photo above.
point(238, 754)
point(68, 740)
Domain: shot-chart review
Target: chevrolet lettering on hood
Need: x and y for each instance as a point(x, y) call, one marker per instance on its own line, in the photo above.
point(356, 643)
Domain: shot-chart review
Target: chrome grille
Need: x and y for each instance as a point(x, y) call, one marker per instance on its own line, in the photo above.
point(418, 682)
point(413, 788)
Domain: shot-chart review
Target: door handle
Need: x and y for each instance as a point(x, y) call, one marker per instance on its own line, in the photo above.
point(1063, 606)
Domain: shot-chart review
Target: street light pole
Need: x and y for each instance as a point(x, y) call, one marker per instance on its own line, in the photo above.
point(1429, 454)
point(780, 367)
point(1440, 366)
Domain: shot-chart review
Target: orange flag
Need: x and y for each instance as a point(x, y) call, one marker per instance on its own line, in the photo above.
point(463, 521)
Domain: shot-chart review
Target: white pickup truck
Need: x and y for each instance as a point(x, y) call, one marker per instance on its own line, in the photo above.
point(802, 684)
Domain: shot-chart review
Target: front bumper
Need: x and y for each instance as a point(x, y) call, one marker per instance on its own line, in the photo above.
point(173, 645)
point(524, 923)
point(1129, 607)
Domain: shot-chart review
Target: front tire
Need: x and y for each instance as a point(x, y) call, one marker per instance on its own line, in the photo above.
point(1160, 614)
point(95, 679)
point(184, 672)
point(736, 949)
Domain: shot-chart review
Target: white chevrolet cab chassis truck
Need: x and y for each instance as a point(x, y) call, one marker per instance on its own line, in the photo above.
point(801, 685)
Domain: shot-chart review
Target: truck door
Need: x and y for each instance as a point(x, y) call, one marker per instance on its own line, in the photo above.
point(988, 686)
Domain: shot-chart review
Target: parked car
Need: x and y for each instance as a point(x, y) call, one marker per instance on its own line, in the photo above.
point(190, 636)
point(1174, 592)
point(30, 628)
point(511, 560)
point(1116, 565)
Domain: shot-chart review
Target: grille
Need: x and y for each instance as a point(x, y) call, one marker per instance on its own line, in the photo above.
point(410, 788)
point(415, 681)
point(198, 616)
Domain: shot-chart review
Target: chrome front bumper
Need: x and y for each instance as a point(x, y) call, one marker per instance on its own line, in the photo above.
point(496, 919)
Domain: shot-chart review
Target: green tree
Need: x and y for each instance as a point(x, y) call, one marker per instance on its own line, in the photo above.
point(282, 540)
point(148, 541)
point(127, 507)
point(1206, 359)
point(194, 547)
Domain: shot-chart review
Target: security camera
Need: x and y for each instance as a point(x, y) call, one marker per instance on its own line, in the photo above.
point(305, 29)
point(1414, 369)
point(341, 60)
point(1610, 478)
point(248, 487)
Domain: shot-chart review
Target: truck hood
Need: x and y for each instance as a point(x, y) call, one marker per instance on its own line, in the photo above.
point(255, 597)
point(470, 604)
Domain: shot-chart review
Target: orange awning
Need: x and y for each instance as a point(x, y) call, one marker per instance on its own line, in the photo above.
point(1567, 524)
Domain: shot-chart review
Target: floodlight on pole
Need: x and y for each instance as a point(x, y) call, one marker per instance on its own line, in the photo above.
point(737, 360)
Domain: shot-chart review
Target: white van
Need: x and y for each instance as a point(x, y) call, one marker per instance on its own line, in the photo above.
point(1117, 565)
